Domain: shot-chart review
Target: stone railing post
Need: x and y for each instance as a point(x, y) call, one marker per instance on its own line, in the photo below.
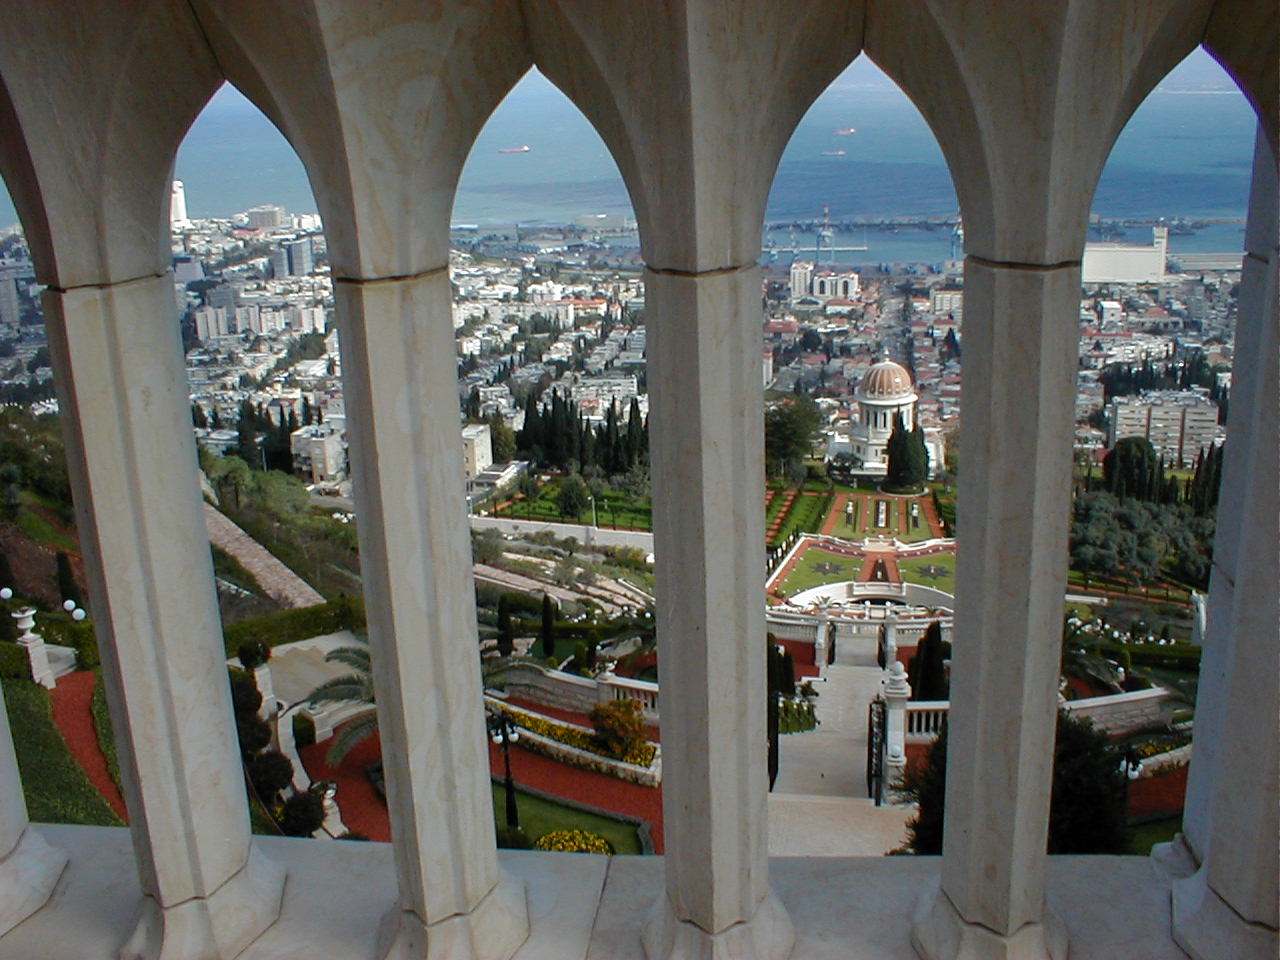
point(896, 694)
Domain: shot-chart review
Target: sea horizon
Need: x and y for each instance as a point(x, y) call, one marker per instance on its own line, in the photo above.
point(861, 151)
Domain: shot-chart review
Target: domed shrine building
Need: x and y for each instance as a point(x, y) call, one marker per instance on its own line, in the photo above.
point(884, 393)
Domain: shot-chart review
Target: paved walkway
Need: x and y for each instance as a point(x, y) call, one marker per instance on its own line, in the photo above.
point(278, 582)
point(819, 805)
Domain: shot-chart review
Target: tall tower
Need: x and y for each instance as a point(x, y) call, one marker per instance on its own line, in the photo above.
point(178, 205)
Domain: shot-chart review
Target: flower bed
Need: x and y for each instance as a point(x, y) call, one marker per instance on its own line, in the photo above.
point(574, 745)
point(573, 841)
point(642, 755)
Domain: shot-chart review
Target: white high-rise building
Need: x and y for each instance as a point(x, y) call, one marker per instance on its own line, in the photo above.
point(178, 205)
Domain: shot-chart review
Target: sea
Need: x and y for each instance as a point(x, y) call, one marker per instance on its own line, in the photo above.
point(862, 153)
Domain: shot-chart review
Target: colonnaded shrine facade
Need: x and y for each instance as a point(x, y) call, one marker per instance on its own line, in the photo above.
point(885, 396)
point(696, 100)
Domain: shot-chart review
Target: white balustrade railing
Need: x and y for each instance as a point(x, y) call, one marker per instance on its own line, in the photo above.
point(925, 718)
point(626, 688)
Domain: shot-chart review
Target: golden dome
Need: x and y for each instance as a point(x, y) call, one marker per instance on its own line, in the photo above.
point(886, 380)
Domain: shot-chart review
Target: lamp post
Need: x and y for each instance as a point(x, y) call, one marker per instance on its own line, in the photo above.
point(503, 732)
point(595, 521)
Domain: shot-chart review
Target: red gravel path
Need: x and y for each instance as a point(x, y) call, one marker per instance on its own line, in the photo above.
point(1161, 795)
point(71, 699)
point(364, 812)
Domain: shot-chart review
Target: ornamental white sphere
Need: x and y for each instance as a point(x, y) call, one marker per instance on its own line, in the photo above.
point(6, 593)
point(77, 615)
point(68, 605)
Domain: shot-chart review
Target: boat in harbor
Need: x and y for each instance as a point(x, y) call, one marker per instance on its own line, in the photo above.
point(833, 153)
point(846, 131)
point(523, 148)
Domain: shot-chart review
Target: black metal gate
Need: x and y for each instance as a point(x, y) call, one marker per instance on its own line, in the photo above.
point(875, 750)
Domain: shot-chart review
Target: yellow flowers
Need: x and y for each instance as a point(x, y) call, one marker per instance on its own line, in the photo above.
point(573, 841)
point(641, 755)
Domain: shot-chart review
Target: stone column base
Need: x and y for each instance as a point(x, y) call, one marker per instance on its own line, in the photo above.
point(494, 930)
point(220, 925)
point(940, 933)
point(28, 875)
point(1205, 926)
point(768, 935)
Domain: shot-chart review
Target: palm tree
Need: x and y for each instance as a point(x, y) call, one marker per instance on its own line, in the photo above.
point(356, 688)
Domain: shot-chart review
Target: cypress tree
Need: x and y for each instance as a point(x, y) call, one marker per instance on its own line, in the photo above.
point(927, 671)
point(635, 434)
point(67, 588)
point(899, 471)
point(506, 632)
point(548, 631)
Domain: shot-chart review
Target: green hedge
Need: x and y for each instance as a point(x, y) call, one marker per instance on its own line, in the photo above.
point(14, 664)
point(289, 626)
point(56, 787)
point(1184, 657)
point(102, 727)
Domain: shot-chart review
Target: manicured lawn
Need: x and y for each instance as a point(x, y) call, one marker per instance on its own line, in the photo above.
point(806, 515)
point(613, 509)
point(34, 524)
point(539, 816)
point(817, 566)
point(56, 788)
point(914, 571)
point(864, 518)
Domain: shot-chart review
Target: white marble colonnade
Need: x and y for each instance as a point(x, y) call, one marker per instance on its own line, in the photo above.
point(696, 101)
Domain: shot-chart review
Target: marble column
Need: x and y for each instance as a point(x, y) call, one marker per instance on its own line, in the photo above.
point(1011, 564)
point(399, 378)
point(1228, 906)
point(131, 455)
point(706, 413)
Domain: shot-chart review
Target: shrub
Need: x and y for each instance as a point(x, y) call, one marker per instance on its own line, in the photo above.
point(302, 814)
point(245, 698)
point(573, 841)
point(288, 626)
point(253, 654)
point(270, 772)
point(1087, 811)
point(619, 727)
point(14, 664)
point(642, 755)
point(253, 733)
